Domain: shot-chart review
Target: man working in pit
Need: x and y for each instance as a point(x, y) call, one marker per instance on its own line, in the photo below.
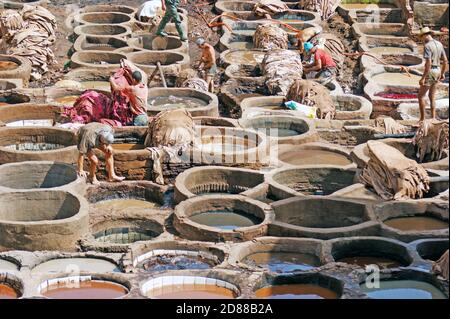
point(171, 9)
point(323, 64)
point(96, 136)
point(208, 62)
point(435, 66)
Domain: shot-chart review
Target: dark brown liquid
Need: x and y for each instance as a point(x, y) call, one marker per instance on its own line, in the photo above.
point(6, 292)
point(94, 289)
point(8, 65)
point(191, 292)
point(364, 261)
point(417, 223)
point(296, 291)
point(128, 147)
point(316, 157)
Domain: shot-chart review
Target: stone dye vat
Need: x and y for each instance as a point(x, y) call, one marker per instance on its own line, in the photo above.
point(283, 130)
point(412, 220)
point(81, 287)
point(37, 144)
point(307, 286)
point(364, 251)
point(351, 107)
point(107, 30)
point(11, 287)
point(245, 72)
point(431, 249)
point(7, 263)
point(102, 18)
point(407, 59)
point(32, 175)
point(234, 7)
point(176, 255)
point(144, 42)
point(101, 60)
point(222, 218)
point(279, 255)
point(76, 265)
point(314, 154)
point(243, 57)
point(215, 121)
point(42, 220)
point(29, 114)
point(86, 78)
point(8, 98)
point(192, 287)
point(385, 11)
point(171, 29)
point(209, 180)
point(379, 30)
point(196, 102)
point(99, 43)
point(387, 45)
point(15, 67)
point(313, 180)
point(322, 218)
point(172, 63)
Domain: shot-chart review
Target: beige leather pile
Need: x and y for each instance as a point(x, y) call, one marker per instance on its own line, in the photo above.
point(325, 8)
point(311, 93)
point(29, 33)
point(431, 140)
point(270, 37)
point(392, 175)
point(281, 68)
point(388, 125)
point(270, 7)
point(189, 79)
point(440, 267)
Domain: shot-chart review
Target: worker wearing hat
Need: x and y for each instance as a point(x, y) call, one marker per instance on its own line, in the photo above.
point(96, 136)
point(323, 64)
point(434, 71)
point(207, 62)
point(171, 9)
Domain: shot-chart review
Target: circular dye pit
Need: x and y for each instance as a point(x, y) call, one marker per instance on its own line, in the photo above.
point(283, 262)
point(8, 65)
point(393, 78)
point(416, 223)
point(390, 50)
point(226, 219)
point(124, 235)
point(363, 261)
point(241, 45)
point(7, 292)
point(7, 265)
point(176, 102)
point(244, 57)
point(120, 204)
point(296, 291)
point(178, 262)
point(314, 157)
point(403, 289)
point(91, 289)
point(76, 265)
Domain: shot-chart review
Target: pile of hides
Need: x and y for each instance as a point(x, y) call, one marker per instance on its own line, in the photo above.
point(281, 68)
point(170, 133)
point(270, 7)
point(440, 267)
point(93, 106)
point(150, 12)
point(313, 94)
point(29, 33)
point(331, 44)
point(392, 175)
point(189, 79)
point(325, 8)
point(270, 37)
point(431, 140)
point(388, 125)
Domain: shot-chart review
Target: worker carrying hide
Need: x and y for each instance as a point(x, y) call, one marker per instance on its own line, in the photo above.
point(96, 136)
point(171, 9)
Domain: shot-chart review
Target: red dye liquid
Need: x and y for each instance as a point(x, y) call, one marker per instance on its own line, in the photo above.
point(6, 292)
point(397, 96)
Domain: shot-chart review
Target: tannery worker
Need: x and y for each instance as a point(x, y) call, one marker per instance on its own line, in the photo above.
point(171, 9)
point(96, 136)
point(208, 62)
point(323, 64)
point(435, 66)
point(130, 83)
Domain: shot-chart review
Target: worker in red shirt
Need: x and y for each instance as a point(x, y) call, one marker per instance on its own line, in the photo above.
point(323, 64)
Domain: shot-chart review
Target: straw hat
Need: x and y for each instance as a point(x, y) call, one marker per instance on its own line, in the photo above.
point(425, 31)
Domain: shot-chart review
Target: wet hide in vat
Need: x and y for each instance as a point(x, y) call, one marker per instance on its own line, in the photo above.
point(325, 8)
point(392, 175)
point(388, 125)
point(440, 267)
point(431, 140)
point(270, 37)
point(189, 79)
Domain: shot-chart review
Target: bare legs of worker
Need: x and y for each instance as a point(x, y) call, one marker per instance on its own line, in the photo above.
point(210, 82)
point(431, 90)
point(109, 159)
point(93, 162)
point(432, 96)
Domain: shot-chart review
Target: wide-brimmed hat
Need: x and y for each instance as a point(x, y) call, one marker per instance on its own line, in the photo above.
point(425, 31)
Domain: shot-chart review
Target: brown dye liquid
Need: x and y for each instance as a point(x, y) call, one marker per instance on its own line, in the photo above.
point(371, 6)
point(364, 261)
point(241, 45)
point(283, 261)
point(245, 57)
point(8, 65)
point(94, 289)
point(392, 78)
point(192, 292)
point(416, 223)
point(96, 85)
point(67, 100)
point(128, 147)
point(6, 292)
point(388, 50)
point(309, 157)
point(175, 102)
point(296, 291)
point(122, 204)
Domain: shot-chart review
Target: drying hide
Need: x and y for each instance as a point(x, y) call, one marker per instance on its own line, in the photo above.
point(431, 140)
point(313, 94)
point(270, 7)
point(281, 68)
point(170, 133)
point(325, 8)
point(388, 125)
point(270, 37)
point(440, 267)
point(392, 175)
point(29, 33)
